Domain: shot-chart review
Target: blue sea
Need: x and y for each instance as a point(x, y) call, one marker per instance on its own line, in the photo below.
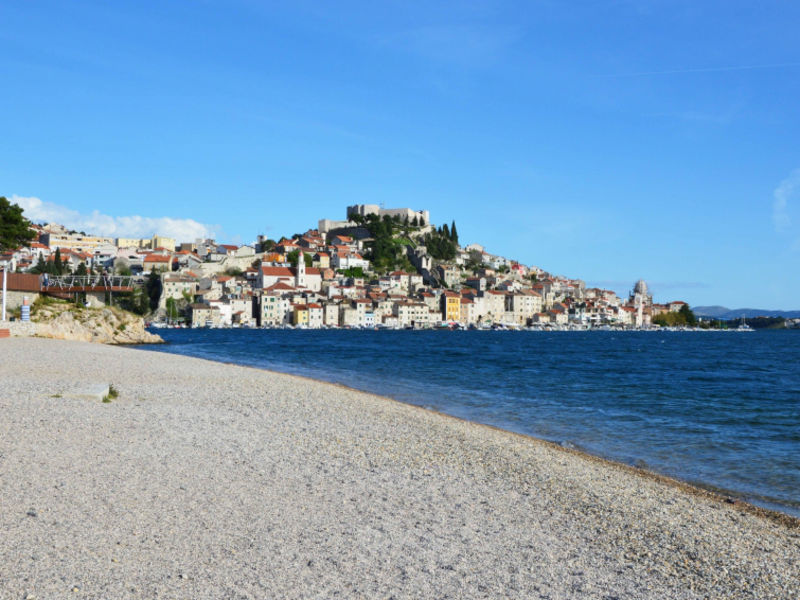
point(717, 409)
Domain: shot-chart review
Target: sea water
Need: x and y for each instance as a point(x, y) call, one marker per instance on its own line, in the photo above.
point(717, 409)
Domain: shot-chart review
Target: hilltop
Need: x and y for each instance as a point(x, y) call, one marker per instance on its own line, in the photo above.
point(379, 267)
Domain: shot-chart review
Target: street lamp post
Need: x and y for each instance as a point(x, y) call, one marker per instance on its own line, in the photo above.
point(5, 277)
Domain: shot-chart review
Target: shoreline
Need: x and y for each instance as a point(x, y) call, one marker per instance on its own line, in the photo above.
point(207, 479)
point(505, 328)
point(730, 497)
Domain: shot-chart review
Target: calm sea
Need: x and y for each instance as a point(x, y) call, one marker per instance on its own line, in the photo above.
point(720, 410)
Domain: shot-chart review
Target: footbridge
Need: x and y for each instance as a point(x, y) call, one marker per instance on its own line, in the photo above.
point(71, 284)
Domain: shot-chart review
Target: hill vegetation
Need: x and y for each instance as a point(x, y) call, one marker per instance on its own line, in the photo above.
point(683, 318)
point(442, 242)
point(390, 236)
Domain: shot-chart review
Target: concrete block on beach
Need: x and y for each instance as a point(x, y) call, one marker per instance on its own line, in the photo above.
point(87, 391)
point(219, 481)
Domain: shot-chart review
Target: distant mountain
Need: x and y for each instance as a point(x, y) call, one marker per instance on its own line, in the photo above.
point(722, 312)
point(715, 312)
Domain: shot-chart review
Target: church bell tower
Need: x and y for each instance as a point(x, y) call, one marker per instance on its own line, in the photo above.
point(300, 272)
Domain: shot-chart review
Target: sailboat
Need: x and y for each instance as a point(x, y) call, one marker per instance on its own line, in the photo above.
point(743, 326)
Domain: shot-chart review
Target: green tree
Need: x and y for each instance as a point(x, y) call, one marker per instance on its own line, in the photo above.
point(454, 233)
point(682, 318)
point(15, 230)
point(40, 266)
point(415, 222)
point(439, 245)
point(58, 266)
point(688, 315)
point(172, 309)
point(355, 272)
point(153, 289)
point(292, 258)
point(81, 270)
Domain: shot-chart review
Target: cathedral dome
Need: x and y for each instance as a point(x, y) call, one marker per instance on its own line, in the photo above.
point(640, 288)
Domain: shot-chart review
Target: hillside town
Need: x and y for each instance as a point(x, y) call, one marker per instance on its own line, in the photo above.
point(377, 268)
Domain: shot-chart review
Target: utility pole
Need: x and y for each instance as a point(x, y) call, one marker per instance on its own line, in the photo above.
point(6, 264)
point(5, 271)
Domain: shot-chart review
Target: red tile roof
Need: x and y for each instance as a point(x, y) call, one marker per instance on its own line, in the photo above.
point(157, 258)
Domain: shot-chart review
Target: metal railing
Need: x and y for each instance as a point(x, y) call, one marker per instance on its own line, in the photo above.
point(64, 282)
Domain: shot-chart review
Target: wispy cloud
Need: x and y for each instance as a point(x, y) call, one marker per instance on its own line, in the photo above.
point(786, 191)
point(708, 70)
point(96, 222)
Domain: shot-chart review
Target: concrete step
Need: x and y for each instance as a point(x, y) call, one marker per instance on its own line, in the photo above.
point(90, 391)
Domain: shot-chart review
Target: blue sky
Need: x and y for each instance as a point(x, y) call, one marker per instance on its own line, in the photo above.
point(603, 140)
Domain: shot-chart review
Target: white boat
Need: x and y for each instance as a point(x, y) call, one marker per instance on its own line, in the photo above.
point(743, 326)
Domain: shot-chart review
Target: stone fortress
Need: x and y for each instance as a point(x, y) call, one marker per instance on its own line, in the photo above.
point(326, 225)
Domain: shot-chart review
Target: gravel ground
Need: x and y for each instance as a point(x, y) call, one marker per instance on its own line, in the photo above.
point(205, 480)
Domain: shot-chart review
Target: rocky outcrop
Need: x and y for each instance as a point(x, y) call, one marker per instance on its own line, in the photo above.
point(65, 321)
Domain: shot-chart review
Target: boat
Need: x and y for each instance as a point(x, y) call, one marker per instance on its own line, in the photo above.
point(743, 326)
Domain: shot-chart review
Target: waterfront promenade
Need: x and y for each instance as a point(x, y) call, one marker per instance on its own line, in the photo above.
point(205, 480)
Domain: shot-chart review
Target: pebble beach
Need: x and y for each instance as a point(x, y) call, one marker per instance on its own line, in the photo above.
point(209, 480)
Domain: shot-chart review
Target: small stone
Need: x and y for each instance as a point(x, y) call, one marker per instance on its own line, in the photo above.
point(32, 513)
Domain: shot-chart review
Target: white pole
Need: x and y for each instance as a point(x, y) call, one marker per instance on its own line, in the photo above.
point(5, 270)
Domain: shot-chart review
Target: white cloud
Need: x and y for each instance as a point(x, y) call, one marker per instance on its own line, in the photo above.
point(786, 191)
point(183, 230)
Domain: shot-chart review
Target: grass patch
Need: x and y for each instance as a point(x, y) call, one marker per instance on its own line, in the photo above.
point(112, 394)
point(56, 396)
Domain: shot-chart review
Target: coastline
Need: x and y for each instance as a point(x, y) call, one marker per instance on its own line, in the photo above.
point(716, 495)
point(375, 493)
point(576, 408)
